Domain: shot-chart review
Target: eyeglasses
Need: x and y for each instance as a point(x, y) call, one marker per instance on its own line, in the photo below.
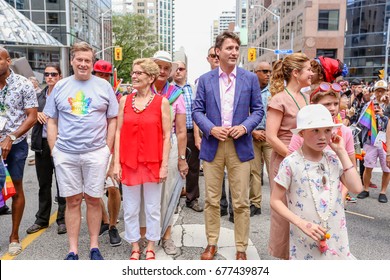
point(53, 74)
point(212, 55)
point(180, 69)
point(137, 73)
point(265, 71)
point(324, 87)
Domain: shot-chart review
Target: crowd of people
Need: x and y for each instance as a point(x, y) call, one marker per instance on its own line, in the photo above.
point(297, 118)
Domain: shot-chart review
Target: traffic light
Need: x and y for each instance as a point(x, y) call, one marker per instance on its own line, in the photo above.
point(118, 53)
point(252, 54)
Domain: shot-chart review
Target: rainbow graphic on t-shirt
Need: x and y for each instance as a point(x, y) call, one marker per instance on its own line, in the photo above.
point(80, 104)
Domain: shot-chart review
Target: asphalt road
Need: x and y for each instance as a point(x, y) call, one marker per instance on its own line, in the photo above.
point(368, 224)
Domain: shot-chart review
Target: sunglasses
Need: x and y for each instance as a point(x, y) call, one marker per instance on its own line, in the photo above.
point(53, 74)
point(265, 71)
point(324, 87)
point(180, 69)
point(212, 55)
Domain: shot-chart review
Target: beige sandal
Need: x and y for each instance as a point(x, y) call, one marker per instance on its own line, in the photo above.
point(14, 248)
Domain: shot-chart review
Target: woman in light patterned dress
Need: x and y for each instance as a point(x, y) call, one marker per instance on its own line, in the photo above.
point(310, 177)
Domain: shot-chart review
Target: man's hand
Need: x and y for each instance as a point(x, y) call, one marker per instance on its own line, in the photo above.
point(237, 131)
point(198, 141)
point(110, 171)
point(6, 146)
point(42, 118)
point(183, 168)
point(219, 132)
point(258, 135)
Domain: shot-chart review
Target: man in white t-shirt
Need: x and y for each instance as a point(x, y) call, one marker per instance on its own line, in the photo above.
point(82, 112)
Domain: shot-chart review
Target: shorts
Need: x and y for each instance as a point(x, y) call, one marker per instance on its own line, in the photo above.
point(372, 154)
point(81, 173)
point(16, 160)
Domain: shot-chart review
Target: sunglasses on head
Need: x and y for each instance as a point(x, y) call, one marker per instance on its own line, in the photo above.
point(324, 87)
point(53, 74)
point(212, 55)
point(265, 71)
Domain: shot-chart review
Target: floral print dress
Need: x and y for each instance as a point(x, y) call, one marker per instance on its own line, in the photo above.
point(303, 180)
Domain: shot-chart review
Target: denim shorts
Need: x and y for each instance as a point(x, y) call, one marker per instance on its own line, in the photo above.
point(16, 160)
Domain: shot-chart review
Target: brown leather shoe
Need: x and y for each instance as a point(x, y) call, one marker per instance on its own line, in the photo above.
point(209, 252)
point(241, 256)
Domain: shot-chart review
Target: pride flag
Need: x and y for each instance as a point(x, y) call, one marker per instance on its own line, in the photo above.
point(368, 119)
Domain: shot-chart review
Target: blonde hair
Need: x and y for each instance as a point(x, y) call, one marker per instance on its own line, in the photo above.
point(149, 66)
point(283, 68)
point(81, 47)
point(321, 94)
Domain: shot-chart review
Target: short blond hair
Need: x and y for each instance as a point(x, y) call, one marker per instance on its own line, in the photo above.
point(149, 66)
point(81, 47)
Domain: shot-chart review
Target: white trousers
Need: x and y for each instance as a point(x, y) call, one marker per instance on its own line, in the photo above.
point(131, 208)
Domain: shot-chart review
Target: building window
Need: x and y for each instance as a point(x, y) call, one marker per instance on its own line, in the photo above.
point(52, 18)
point(328, 20)
point(332, 53)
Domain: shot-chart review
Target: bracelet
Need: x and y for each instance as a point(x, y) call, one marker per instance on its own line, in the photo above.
point(348, 168)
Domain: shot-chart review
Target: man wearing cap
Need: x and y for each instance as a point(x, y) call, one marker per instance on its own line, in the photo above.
point(192, 179)
point(103, 69)
point(374, 153)
point(177, 165)
point(356, 101)
point(82, 111)
point(227, 108)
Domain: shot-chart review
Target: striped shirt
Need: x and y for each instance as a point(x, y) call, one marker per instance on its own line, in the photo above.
point(189, 102)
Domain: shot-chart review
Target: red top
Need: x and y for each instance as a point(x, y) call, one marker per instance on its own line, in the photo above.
point(141, 143)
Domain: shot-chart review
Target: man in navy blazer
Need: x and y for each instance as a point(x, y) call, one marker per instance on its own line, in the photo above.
point(227, 108)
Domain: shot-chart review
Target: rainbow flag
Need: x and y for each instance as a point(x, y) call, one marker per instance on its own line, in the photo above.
point(368, 119)
point(337, 120)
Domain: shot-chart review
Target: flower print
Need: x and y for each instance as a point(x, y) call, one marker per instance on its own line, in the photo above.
point(293, 251)
point(313, 245)
point(308, 257)
point(299, 191)
point(334, 213)
point(323, 205)
point(342, 223)
point(335, 236)
point(333, 252)
point(299, 205)
point(341, 248)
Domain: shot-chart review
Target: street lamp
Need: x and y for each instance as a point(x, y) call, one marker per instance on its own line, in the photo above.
point(278, 18)
point(102, 25)
point(148, 46)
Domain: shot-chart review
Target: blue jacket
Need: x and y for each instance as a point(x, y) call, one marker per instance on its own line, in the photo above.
point(248, 111)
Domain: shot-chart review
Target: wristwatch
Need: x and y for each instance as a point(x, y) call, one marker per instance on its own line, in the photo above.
point(183, 157)
point(12, 137)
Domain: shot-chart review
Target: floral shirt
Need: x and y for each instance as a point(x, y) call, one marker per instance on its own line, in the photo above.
point(303, 180)
point(15, 97)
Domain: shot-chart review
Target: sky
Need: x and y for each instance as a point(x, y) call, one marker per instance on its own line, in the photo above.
point(193, 21)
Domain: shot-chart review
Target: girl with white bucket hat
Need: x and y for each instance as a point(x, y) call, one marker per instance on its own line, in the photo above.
point(310, 178)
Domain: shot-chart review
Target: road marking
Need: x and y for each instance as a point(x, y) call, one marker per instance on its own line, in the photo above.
point(361, 215)
point(30, 238)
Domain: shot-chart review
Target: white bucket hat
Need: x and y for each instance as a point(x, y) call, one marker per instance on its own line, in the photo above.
point(166, 57)
point(314, 116)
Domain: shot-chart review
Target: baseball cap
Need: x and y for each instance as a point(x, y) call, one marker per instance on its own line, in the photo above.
point(356, 82)
point(380, 84)
point(102, 66)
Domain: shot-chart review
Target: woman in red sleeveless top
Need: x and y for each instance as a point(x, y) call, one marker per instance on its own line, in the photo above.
point(141, 154)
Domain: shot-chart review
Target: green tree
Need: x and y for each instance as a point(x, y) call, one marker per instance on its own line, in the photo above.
point(133, 33)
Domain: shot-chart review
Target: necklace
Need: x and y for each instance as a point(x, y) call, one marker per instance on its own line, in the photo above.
point(324, 218)
point(136, 110)
point(296, 103)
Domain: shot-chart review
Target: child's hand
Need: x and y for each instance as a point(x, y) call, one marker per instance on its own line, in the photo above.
point(337, 143)
point(314, 231)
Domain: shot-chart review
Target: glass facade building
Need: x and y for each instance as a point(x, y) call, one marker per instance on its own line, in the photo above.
point(365, 38)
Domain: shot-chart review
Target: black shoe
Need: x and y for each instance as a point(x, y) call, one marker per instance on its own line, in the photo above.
point(61, 229)
point(115, 239)
point(72, 257)
point(363, 194)
point(34, 228)
point(224, 212)
point(103, 229)
point(255, 210)
point(382, 198)
point(5, 210)
point(231, 219)
point(95, 254)
point(194, 205)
